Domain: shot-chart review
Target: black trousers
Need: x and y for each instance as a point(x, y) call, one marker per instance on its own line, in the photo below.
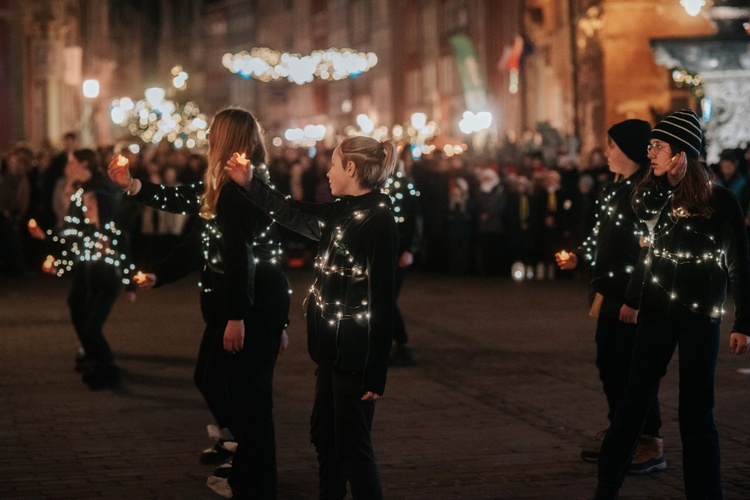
point(249, 376)
point(655, 344)
point(614, 353)
point(96, 286)
point(210, 375)
point(341, 427)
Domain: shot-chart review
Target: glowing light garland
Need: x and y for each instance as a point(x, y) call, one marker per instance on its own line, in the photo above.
point(398, 187)
point(709, 255)
point(338, 260)
point(268, 65)
point(82, 242)
point(182, 125)
point(187, 201)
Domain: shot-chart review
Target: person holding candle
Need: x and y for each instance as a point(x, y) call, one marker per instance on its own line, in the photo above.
point(244, 299)
point(350, 307)
point(93, 248)
point(698, 249)
point(615, 252)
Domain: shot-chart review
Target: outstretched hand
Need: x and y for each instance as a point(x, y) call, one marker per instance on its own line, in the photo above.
point(145, 281)
point(566, 260)
point(239, 170)
point(677, 168)
point(119, 172)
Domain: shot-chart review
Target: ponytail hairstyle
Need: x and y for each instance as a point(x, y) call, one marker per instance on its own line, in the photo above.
point(375, 161)
point(233, 130)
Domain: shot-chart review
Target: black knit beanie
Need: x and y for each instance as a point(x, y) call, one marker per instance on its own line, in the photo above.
point(632, 137)
point(682, 127)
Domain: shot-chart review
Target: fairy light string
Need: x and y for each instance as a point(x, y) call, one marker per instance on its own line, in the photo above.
point(337, 260)
point(607, 212)
point(399, 188)
point(186, 200)
point(704, 247)
point(81, 241)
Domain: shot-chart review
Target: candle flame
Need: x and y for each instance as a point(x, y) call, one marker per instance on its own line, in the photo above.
point(32, 224)
point(241, 159)
point(121, 160)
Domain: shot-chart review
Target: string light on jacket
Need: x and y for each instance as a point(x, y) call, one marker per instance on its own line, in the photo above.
point(698, 250)
point(80, 241)
point(186, 200)
point(336, 260)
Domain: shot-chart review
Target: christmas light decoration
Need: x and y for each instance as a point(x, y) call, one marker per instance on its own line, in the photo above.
point(80, 241)
point(268, 65)
point(154, 119)
point(186, 200)
point(336, 260)
point(399, 188)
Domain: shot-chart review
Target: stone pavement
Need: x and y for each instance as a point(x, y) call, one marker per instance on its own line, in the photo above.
point(505, 395)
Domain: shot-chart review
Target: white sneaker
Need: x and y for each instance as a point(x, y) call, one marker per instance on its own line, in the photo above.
point(220, 486)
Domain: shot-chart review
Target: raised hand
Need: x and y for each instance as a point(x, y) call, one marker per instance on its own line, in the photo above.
point(239, 170)
point(119, 172)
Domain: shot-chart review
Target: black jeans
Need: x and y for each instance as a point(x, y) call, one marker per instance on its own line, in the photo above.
point(655, 343)
point(96, 286)
point(250, 384)
point(341, 427)
point(210, 375)
point(614, 352)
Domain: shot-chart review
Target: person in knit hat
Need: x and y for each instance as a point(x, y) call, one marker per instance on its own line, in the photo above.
point(698, 249)
point(614, 251)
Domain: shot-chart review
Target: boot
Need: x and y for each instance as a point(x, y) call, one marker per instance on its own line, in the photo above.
point(649, 456)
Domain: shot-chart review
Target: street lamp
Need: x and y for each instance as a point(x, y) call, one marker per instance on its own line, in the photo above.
point(90, 90)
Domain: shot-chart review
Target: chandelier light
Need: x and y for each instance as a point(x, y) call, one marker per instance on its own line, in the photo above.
point(267, 64)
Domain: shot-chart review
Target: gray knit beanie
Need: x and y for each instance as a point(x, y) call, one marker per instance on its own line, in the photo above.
point(682, 127)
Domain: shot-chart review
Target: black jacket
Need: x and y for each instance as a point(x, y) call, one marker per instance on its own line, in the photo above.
point(238, 252)
point(350, 307)
point(614, 247)
point(692, 260)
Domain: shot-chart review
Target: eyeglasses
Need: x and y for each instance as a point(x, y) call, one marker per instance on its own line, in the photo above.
point(657, 146)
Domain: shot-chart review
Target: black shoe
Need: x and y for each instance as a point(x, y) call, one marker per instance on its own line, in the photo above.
point(592, 454)
point(224, 470)
point(221, 451)
point(103, 377)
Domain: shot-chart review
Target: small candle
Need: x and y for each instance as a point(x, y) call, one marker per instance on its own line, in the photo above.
point(140, 277)
point(564, 255)
point(33, 224)
point(48, 263)
point(240, 158)
point(121, 160)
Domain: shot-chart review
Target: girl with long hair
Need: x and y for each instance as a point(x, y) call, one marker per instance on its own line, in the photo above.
point(244, 299)
point(698, 248)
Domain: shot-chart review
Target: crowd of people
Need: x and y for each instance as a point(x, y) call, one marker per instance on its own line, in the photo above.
point(477, 215)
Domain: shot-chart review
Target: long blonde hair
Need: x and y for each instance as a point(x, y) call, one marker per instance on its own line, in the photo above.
point(375, 161)
point(233, 130)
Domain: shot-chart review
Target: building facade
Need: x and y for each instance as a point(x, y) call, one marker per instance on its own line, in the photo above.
point(572, 66)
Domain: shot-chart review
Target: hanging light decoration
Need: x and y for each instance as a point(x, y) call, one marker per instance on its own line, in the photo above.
point(267, 64)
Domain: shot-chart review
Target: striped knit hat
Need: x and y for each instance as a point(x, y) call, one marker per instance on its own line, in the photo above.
point(681, 127)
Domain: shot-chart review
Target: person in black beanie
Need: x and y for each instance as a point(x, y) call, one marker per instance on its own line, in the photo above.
point(615, 252)
point(698, 248)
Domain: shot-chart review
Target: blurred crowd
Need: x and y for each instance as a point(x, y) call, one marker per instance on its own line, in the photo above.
point(478, 215)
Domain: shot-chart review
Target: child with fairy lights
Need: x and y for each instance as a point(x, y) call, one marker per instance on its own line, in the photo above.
point(91, 246)
point(350, 307)
point(244, 299)
point(615, 252)
point(698, 248)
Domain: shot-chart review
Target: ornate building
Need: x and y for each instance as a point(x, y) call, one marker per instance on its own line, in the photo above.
point(573, 67)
